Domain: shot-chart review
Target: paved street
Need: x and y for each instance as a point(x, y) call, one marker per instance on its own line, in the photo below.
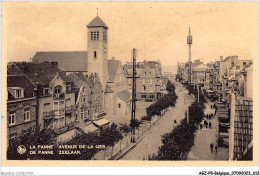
point(166, 123)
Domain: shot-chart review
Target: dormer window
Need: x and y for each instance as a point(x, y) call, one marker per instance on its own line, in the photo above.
point(57, 89)
point(68, 88)
point(19, 93)
point(46, 91)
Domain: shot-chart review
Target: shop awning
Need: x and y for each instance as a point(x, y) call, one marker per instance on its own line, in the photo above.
point(101, 122)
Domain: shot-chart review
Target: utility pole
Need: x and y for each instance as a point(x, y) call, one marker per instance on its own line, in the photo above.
point(198, 93)
point(133, 97)
point(189, 42)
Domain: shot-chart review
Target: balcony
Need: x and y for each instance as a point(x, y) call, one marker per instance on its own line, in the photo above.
point(59, 112)
point(48, 115)
point(69, 109)
point(101, 115)
point(59, 96)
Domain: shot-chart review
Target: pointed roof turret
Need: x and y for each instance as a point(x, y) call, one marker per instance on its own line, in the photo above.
point(97, 22)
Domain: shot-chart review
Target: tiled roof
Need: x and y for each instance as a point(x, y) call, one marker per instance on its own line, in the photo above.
point(69, 61)
point(112, 69)
point(97, 22)
point(43, 73)
point(19, 81)
point(124, 95)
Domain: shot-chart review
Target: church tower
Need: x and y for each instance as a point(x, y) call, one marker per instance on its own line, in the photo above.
point(97, 49)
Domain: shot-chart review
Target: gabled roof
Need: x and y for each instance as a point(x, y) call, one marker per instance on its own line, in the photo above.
point(112, 69)
point(43, 73)
point(124, 95)
point(19, 81)
point(108, 89)
point(97, 22)
point(68, 61)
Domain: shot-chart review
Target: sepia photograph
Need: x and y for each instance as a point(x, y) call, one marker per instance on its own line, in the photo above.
point(129, 81)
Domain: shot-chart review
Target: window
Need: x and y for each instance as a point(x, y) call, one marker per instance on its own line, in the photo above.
point(11, 118)
point(95, 54)
point(46, 91)
point(244, 63)
point(143, 95)
point(105, 36)
point(46, 107)
point(88, 113)
point(82, 113)
point(68, 88)
point(92, 36)
point(119, 105)
point(143, 88)
point(129, 86)
point(57, 89)
point(26, 115)
point(144, 73)
point(97, 35)
point(12, 138)
point(18, 93)
point(55, 105)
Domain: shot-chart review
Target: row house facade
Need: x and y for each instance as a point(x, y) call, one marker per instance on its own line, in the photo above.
point(21, 106)
point(229, 82)
point(54, 97)
point(89, 100)
point(150, 84)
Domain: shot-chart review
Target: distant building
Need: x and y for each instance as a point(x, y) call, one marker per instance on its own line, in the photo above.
point(149, 85)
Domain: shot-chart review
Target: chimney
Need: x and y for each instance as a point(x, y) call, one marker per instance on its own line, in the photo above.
point(54, 64)
point(221, 58)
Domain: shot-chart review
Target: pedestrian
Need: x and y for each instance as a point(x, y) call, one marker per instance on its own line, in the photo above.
point(211, 147)
point(206, 124)
point(209, 124)
point(201, 126)
point(216, 148)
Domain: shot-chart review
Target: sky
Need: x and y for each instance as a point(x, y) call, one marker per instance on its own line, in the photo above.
point(158, 30)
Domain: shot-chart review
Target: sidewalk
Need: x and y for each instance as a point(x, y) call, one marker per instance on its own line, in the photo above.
point(203, 138)
point(125, 144)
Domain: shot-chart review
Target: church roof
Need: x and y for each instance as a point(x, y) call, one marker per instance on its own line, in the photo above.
point(124, 95)
point(112, 69)
point(68, 61)
point(97, 22)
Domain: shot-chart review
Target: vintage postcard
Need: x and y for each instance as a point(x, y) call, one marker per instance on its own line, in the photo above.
point(129, 84)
